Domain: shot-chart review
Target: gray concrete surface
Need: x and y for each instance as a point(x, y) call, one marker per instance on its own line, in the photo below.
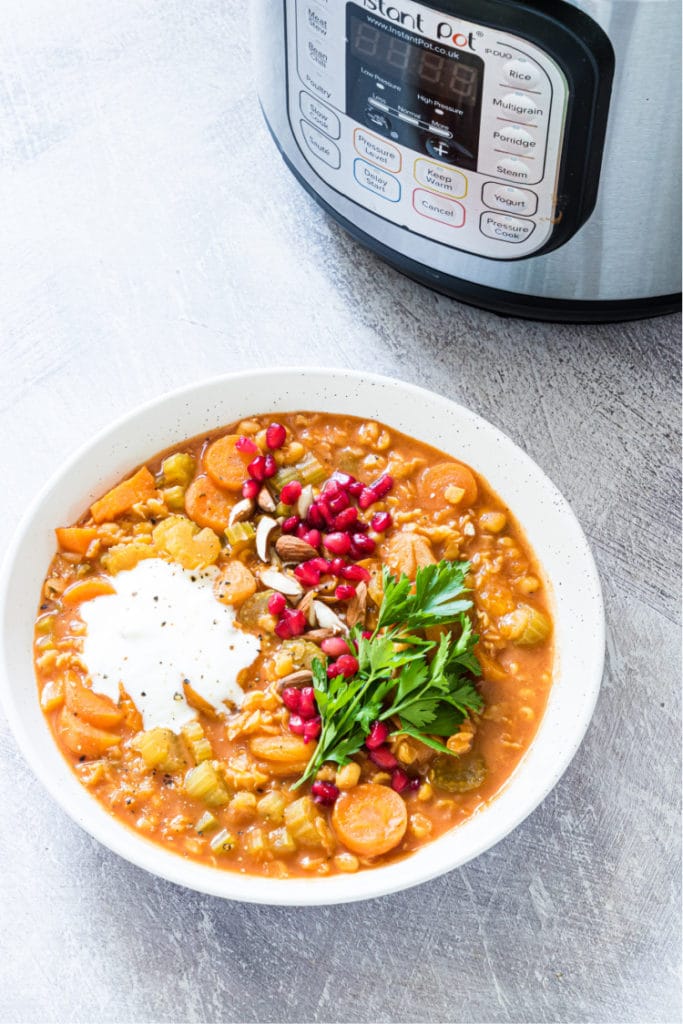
point(149, 235)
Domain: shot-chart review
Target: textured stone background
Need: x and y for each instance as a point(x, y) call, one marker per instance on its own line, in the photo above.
point(149, 236)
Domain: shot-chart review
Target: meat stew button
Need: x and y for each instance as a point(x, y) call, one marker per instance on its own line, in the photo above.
point(505, 228)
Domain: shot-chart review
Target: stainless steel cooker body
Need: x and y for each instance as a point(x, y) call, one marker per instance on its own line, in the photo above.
point(521, 156)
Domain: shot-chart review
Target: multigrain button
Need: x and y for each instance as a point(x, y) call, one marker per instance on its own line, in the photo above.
point(377, 181)
point(378, 151)
point(446, 211)
point(521, 72)
point(440, 178)
point(513, 169)
point(505, 229)
point(319, 115)
point(507, 197)
point(515, 137)
point(321, 146)
point(517, 105)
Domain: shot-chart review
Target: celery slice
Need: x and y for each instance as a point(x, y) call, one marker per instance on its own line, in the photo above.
point(309, 471)
point(223, 842)
point(240, 536)
point(204, 783)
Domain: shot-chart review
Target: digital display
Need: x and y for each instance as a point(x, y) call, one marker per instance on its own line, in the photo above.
point(447, 76)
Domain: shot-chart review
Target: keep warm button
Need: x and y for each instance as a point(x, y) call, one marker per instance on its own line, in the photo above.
point(505, 228)
point(446, 211)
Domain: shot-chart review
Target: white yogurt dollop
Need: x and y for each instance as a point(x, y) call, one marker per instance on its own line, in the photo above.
point(162, 626)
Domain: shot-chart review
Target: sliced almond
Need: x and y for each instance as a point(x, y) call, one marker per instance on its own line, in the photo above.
point(242, 510)
point(300, 678)
point(305, 501)
point(293, 549)
point(279, 581)
point(265, 500)
point(328, 619)
point(355, 610)
point(263, 531)
point(316, 635)
point(305, 605)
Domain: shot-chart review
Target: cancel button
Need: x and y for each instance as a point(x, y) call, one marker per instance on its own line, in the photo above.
point(505, 228)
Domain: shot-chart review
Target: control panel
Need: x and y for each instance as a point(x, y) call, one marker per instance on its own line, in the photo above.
point(447, 128)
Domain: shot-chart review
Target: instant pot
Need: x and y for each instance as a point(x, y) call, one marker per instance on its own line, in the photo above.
point(521, 156)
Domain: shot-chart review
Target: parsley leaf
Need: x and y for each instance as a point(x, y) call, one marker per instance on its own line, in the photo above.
point(434, 601)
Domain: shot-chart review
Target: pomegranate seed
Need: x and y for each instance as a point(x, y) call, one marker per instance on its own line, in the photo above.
point(276, 435)
point(307, 705)
point(414, 784)
point(312, 537)
point(347, 665)
point(366, 634)
point(344, 592)
point(296, 725)
point(338, 543)
point(383, 485)
point(379, 731)
point(381, 521)
point(333, 670)
point(290, 493)
point(325, 511)
point(336, 566)
point(324, 793)
point(343, 479)
point(365, 545)
point(307, 574)
point(330, 489)
point(276, 604)
point(257, 468)
point(270, 468)
point(338, 504)
point(367, 497)
point(357, 573)
point(355, 488)
point(399, 780)
point(291, 524)
point(296, 621)
point(319, 563)
point(250, 489)
point(282, 630)
point(334, 646)
point(346, 518)
point(291, 698)
point(246, 446)
point(312, 729)
point(383, 758)
point(315, 517)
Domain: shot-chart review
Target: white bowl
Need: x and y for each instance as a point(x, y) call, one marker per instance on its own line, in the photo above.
point(548, 521)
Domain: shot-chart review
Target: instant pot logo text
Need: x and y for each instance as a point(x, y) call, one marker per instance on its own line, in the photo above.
point(444, 31)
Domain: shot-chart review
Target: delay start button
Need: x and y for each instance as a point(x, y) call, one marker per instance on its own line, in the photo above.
point(505, 228)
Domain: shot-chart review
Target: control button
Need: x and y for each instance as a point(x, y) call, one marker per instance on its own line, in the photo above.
point(318, 57)
point(377, 119)
point(314, 18)
point(377, 151)
point(515, 137)
point(321, 146)
point(446, 211)
point(507, 197)
point(514, 169)
point(505, 229)
point(442, 150)
point(319, 115)
point(440, 178)
point(377, 181)
point(517, 104)
point(520, 71)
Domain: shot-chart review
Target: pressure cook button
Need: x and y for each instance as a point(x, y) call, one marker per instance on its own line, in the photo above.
point(319, 115)
point(514, 169)
point(440, 178)
point(439, 208)
point(522, 72)
point(514, 137)
point(321, 146)
point(507, 197)
point(377, 181)
point(377, 151)
point(505, 229)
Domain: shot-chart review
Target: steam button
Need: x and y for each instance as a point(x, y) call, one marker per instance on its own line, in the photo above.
point(512, 169)
point(522, 72)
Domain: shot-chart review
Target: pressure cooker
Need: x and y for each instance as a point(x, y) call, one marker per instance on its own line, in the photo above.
point(520, 156)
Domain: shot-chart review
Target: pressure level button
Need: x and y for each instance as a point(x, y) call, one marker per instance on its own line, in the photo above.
point(522, 72)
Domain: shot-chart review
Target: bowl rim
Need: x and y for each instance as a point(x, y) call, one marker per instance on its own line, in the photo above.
point(139, 850)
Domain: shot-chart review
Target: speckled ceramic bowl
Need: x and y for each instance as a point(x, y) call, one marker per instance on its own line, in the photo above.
point(551, 528)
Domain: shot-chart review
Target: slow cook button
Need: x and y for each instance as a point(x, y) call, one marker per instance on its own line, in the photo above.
point(505, 229)
point(379, 182)
point(319, 115)
point(521, 72)
point(507, 197)
point(515, 137)
point(321, 146)
point(446, 211)
point(378, 151)
point(512, 168)
point(440, 178)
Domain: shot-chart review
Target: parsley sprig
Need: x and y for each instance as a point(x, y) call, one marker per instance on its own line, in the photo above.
point(424, 684)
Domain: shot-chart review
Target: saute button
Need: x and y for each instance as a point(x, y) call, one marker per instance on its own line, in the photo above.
point(505, 229)
point(441, 178)
point(319, 115)
point(446, 211)
point(514, 169)
point(521, 72)
point(378, 151)
point(321, 146)
point(377, 181)
point(509, 198)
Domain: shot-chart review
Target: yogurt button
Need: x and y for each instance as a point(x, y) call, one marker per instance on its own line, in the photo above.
point(509, 198)
point(522, 72)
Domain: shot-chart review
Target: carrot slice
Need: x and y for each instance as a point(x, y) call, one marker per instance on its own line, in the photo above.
point(226, 464)
point(131, 715)
point(199, 703)
point(86, 590)
point(235, 583)
point(88, 706)
point(207, 505)
point(139, 487)
point(76, 538)
point(370, 819)
point(85, 739)
point(440, 485)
